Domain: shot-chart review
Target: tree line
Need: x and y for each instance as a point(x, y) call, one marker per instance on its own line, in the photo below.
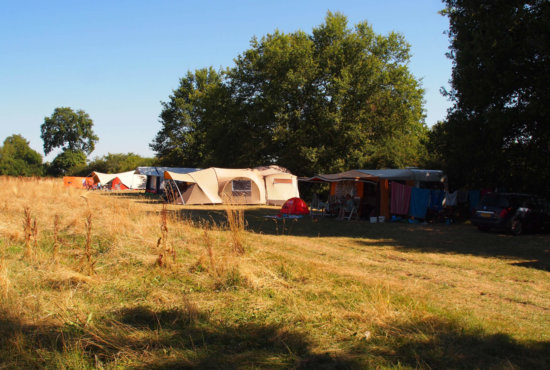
point(334, 99)
point(343, 97)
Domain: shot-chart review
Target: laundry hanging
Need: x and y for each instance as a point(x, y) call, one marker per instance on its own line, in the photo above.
point(400, 198)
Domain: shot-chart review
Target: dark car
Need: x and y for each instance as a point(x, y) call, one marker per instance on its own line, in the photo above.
point(512, 212)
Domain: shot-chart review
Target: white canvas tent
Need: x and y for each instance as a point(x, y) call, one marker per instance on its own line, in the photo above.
point(263, 185)
point(280, 184)
point(102, 178)
point(199, 187)
point(129, 179)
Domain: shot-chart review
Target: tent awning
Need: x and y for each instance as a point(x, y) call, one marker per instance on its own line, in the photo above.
point(407, 174)
point(352, 175)
point(102, 178)
point(159, 171)
point(184, 177)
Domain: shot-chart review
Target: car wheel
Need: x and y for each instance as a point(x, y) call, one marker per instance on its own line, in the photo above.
point(517, 227)
point(483, 229)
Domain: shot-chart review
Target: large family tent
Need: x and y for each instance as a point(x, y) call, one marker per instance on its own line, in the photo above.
point(155, 176)
point(199, 187)
point(120, 181)
point(372, 187)
point(237, 186)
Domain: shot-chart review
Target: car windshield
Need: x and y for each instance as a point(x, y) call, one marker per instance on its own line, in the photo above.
point(502, 201)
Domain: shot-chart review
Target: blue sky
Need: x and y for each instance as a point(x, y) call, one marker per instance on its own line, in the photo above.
point(117, 60)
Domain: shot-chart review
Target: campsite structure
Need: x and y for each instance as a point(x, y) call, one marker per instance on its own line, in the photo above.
point(372, 188)
point(119, 181)
point(155, 176)
point(78, 182)
point(262, 185)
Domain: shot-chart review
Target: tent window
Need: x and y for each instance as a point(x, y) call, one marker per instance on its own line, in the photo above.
point(241, 187)
point(282, 181)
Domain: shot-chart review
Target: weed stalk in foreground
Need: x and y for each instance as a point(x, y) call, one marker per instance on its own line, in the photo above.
point(4, 279)
point(55, 248)
point(209, 250)
point(27, 231)
point(235, 219)
point(88, 247)
point(163, 248)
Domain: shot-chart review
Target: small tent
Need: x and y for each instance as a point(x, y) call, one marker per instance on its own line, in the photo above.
point(295, 207)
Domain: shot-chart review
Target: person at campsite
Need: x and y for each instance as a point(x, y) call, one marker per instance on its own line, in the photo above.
point(347, 207)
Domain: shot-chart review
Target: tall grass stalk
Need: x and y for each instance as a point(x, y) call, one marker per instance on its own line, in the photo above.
point(235, 220)
point(55, 249)
point(35, 234)
point(4, 279)
point(89, 263)
point(27, 231)
point(209, 250)
point(164, 249)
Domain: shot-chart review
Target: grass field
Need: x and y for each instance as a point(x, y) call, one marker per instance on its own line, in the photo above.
point(117, 280)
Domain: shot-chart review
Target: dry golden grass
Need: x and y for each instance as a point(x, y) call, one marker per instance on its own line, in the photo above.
point(309, 293)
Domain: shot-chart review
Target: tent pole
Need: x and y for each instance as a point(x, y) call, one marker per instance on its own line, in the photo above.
point(179, 192)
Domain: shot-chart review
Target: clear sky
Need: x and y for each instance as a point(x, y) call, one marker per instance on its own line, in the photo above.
point(117, 60)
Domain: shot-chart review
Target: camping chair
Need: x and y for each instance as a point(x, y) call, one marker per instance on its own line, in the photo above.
point(348, 214)
point(317, 207)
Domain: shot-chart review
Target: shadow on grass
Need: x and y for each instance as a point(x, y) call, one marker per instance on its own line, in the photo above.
point(177, 339)
point(437, 344)
point(429, 238)
point(172, 338)
point(210, 345)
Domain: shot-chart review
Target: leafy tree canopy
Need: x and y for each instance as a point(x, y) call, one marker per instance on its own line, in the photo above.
point(68, 130)
point(18, 159)
point(116, 162)
point(335, 99)
point(68, 162)
point(498, 132)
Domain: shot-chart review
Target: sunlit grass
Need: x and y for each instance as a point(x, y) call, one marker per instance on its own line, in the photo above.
point(240, 290)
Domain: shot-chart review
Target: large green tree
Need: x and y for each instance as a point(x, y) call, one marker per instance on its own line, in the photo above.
point(68, 130)
point(497, 132)
point(18, 159)
point(68, 162)
point(335, 99)
point(189, 117)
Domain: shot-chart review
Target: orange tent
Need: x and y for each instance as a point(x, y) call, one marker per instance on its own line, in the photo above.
point(117, 184)
point(78, 182)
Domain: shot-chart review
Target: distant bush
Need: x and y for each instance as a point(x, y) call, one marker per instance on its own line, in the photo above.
point(18, 159)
